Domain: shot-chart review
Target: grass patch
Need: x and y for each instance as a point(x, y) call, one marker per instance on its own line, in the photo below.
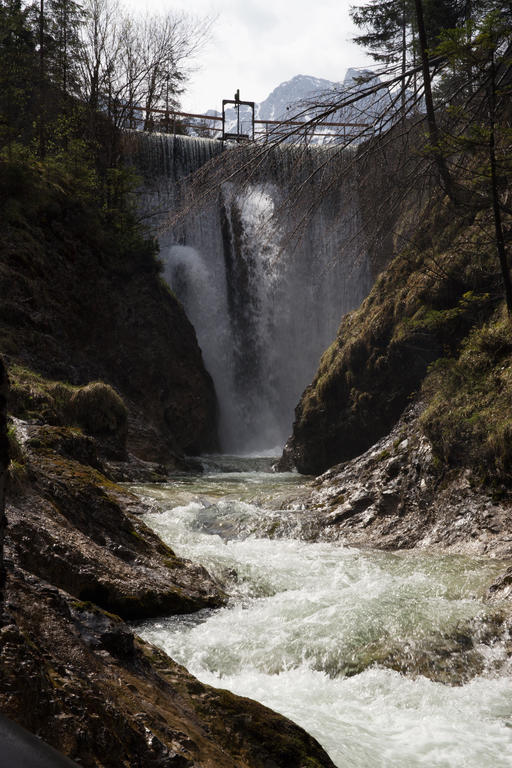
point(469, 414)
point(96, 407)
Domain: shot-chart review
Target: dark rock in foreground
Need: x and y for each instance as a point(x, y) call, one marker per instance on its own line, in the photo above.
point(21, 748)
point(74, 673)
point(104, 697)
point(70, 525)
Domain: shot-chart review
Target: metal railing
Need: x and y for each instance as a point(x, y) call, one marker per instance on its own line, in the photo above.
point(173, 120)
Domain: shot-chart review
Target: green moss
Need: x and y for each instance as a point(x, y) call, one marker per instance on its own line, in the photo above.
point(444, 322)
point(95, 407)
point(85, 606)
point(32, 396)
point(98, 409)
point(469, 416)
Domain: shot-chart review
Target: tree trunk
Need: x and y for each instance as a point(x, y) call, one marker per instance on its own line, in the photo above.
point(498, 225)
point(404, 60)
point(429, 103)
point(42, 94)
point(4, 461)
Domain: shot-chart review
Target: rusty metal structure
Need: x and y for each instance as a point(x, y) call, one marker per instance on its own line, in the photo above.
point(239, 135)
point(214, 126)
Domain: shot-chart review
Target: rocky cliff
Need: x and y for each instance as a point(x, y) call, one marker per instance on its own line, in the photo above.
point(83, 300)
point(73, 671)
point(423, 305)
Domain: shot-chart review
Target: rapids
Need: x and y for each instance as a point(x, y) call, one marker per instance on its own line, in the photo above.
point(383, 657)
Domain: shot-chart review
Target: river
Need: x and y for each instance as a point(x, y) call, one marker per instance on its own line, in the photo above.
point(384, 657)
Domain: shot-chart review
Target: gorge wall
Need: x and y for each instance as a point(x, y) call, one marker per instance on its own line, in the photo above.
point(4, 461)
point(83, 300)
point(265, 266)
point(428, 306)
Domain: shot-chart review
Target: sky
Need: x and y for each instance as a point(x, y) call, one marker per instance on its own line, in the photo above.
point(257, 44)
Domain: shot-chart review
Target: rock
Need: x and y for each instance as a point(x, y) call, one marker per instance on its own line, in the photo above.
point(397, 496)
point(102, 696)
point(24, 750)
point(501, 588)
point(4, 461)
point(71, 525)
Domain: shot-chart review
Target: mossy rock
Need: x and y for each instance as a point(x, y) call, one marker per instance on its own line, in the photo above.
point(96, 408)
point(420, 309)
point(99, 410)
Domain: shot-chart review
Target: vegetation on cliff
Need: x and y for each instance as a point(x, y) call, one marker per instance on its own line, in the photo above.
point(84, 302)
point(436, 309)
point(468, 417)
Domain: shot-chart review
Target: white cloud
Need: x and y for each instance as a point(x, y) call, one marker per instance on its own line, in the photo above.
point(257, 44)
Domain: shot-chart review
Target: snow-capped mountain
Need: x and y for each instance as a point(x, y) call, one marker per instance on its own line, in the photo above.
point(300, 97)
point(288, 95)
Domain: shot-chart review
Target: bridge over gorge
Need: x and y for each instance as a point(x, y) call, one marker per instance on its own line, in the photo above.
point(244, 127)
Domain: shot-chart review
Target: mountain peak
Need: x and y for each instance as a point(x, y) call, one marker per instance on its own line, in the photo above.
point(352, 74)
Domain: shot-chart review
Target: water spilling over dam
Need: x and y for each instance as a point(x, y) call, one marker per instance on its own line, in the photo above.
point(265, 300)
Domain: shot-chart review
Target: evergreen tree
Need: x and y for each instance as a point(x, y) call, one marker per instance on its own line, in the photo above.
point(64, 19)
point(481, 136)
point(18, 68)
point(392, 35)
point(388, 30)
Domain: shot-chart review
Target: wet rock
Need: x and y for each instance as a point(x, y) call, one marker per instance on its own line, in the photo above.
point(102, 696)
point(502, 587)
point(397, 496)
point(73, 527)
point(71, 443)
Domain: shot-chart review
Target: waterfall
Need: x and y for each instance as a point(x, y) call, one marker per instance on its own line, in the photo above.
point(265, 303)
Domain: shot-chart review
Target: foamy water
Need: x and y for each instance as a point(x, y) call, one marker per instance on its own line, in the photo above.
point(310, 630)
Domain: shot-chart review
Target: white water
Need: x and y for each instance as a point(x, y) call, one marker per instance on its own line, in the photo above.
point(307, 624)
point(264, 305)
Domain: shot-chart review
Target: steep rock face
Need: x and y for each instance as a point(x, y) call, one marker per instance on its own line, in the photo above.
point(70, 525)
point(4, 461)
point(118, 321)
point(420, 308)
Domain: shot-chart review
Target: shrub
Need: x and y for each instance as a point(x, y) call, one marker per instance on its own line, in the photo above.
point(98, 409)
point(469, 413)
